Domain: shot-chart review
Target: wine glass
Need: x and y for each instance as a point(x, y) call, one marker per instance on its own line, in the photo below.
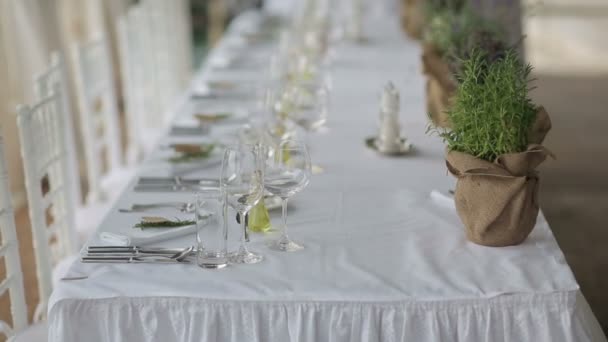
point(310, 104)
point(287, 172)
point(310, 107)
point(241, 181)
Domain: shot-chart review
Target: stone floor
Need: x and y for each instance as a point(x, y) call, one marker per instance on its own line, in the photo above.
point(574, 187)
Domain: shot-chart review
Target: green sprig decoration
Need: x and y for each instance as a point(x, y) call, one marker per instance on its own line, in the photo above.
point(492, 112)
point(186, 157)
point(164, 224)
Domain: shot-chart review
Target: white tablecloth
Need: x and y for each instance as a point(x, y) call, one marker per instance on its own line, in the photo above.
point(383, 261)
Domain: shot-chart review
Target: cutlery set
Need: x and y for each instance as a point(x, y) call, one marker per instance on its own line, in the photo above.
point(174, 184)
point(136, 254)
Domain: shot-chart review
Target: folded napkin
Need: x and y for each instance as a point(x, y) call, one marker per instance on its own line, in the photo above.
point(442, 199)
point(146, 236)
point(116, 239)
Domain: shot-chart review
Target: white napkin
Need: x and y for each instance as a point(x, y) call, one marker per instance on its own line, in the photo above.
point(118, 239)
point(442, 199)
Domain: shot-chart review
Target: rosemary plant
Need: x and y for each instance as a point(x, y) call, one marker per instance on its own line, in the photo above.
point(164, 224)
point(455, 33)
point(492, 112)
point(187, 157)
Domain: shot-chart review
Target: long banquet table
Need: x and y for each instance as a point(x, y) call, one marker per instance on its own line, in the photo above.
point(383, 260)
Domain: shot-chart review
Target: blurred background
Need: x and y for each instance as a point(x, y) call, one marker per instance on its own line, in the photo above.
point(565, 42)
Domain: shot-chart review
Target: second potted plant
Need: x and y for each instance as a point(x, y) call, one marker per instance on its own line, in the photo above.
point(449, 38)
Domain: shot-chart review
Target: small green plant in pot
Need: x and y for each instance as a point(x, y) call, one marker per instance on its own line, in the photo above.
point(450, 38)
point(494, 149)
point(412, 18)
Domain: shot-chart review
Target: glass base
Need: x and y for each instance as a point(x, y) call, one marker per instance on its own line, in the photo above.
point(285, 245)
point(212, 266)
point(245, 257)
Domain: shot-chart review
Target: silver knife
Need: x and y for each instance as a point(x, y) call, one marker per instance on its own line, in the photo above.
point(172, 188)
point(133, 249)
point(176, 180)
point(131, 260)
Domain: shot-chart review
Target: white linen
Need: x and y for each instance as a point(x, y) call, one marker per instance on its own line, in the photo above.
point(383, 262)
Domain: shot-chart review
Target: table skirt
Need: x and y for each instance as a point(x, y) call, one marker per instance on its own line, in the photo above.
point(550, 317)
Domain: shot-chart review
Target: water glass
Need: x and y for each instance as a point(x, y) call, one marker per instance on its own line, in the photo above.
point(241, 181)
point(211, 229)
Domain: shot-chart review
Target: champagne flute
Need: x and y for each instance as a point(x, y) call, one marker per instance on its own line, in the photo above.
point(242, 185)
point(287, 172)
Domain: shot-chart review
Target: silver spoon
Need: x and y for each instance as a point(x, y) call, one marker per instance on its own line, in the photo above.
point(181, 256)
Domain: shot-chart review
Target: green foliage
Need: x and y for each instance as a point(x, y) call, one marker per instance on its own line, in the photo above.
point(492, 112)
point(448, 28)
point(433, 6)
point(188, 157)
point(482, 37)
point(455, 33)
point(164, 224)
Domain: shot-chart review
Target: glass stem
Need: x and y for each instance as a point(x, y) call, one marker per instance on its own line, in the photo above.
point(284, 236)
point(245, 237)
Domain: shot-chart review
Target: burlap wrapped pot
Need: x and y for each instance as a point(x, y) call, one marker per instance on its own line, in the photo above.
point(440, 86)
point(412, 18)
point(497, 202)
point(540, 128)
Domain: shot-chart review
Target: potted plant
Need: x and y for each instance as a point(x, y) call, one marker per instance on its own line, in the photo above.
point(494, 149)
point(449, 38)
point(412, 18)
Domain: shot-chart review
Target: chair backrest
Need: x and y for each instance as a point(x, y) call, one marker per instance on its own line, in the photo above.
point(155, 57)
point(172, 45)
point(133, 79)
point(48, 188)
point(98, 113)
point(9, 249)
point(55, 77)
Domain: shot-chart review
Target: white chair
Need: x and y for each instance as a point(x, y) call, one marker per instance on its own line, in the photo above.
point(155, 58)
point(44, 83)
point(54, 78)
point(143, 125)
point(167, 26)
point(49, 193)
point(9, 249)
point(100, 130)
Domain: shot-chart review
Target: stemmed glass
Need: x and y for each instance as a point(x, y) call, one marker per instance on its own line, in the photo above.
point(310, 107)
point(287, 172)
point(311, 104)
point(242, 185)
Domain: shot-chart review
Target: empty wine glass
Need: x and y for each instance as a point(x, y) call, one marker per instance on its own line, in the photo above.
point(310, 104)
point(242, 185)
point(287, 172)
